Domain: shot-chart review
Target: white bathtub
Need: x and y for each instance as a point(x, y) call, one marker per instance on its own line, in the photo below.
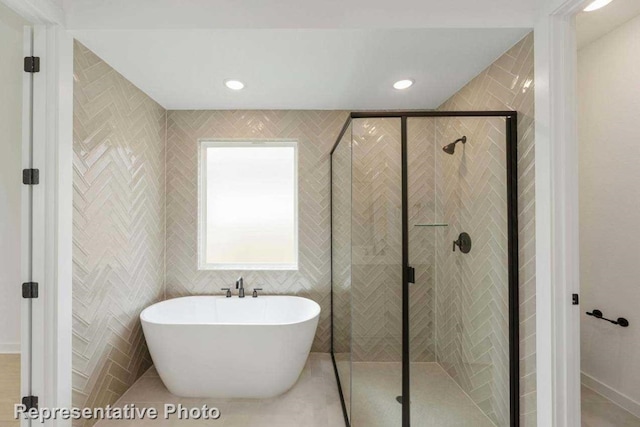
point(212, 346)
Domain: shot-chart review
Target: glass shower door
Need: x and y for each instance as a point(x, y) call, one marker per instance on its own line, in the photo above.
point(341, 263)
point(376, 229)
point(458, 247)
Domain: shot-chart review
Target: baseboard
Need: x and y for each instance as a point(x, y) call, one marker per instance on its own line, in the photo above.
point(9, 347)
point(616, 397)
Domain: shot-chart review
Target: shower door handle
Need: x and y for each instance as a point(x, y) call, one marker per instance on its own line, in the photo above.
point(411, 274)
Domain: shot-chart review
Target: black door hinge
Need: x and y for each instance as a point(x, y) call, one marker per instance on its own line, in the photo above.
point(575, 299)
point(32, 64)
point(31, 176)
point(30, 290)
point(30, 402)
point(411, 275)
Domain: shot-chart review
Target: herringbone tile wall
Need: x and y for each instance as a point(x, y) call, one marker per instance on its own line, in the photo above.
point(376, 229)
point(118, 234)
point(472, 289)
point(506, 84)
point(341, 245)
point(375, 211)
point(316, 132)
point(421, 173)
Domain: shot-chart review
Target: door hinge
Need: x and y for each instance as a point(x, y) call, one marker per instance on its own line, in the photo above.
point(411, 274)
point(30, 290)
point(575, 299)
point(31, 176)
point(32, 64)
point(30, 402)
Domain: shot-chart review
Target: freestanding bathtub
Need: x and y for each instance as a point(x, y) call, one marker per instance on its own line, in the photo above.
point(213, 346)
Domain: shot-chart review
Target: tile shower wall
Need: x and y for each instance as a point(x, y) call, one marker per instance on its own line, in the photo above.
point(316, 132)
point(341, 246)
point(376, 229)
point(472, 289)
point(377, 240)
point(421, 175)
point(118, 234)
point(508, 84)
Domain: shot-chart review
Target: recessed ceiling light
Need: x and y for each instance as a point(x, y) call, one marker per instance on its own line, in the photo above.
point(403, 84)
point(234, 84)
point(597, 4)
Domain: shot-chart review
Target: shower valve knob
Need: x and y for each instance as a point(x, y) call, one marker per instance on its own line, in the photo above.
point(463, 242)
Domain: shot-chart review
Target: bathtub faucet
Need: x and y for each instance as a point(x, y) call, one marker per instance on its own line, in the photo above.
point(240, 287)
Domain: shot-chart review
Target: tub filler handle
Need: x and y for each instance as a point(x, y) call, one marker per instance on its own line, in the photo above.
point(255, 292)
point(228, 291)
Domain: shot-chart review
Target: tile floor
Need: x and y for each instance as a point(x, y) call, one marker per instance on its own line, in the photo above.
point(9, 388)
point(437, 400)
point(343, 363)
point(312, 402)
point(598, 411)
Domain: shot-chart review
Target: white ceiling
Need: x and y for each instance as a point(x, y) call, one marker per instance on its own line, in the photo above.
point(590, 26)
point(309, 14)
point(300, 69)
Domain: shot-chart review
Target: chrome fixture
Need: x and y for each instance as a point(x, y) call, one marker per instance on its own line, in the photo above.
point(228, 291)
point(255, 292)
point(450, 148)
point(240, 287)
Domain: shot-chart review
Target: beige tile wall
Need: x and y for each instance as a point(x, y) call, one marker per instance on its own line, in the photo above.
point(508, 84)
point(472, 290)
point(118, 234)
point(422, 157)
point(341, 246)
point(316, 132)
point(377, 240)
point(376, 225)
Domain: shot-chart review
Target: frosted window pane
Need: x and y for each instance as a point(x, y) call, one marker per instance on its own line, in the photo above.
point(251, 207)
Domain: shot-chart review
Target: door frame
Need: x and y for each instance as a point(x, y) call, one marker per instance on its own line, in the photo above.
point(557, 233)
point(50, 136)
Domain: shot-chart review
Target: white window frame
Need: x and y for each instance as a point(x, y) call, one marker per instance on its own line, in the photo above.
point(203, 145)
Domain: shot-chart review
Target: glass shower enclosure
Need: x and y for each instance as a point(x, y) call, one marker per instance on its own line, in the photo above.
point(425, 269)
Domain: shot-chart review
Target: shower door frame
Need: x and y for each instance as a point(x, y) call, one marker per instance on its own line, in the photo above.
point(511, 133)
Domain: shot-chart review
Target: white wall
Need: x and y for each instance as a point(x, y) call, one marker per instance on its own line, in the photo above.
point(609, 137)
point(10, 177)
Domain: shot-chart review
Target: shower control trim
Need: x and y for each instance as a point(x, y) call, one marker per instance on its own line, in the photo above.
point(463, 242)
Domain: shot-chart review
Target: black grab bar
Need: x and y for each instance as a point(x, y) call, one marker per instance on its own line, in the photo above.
point(598, 315)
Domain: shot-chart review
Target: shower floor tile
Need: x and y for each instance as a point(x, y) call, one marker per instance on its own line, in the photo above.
point(312, 402)
point(436, 399)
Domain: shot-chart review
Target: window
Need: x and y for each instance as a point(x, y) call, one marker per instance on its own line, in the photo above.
point(248, 202)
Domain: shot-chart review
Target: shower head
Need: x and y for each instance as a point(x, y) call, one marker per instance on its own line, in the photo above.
point(451, 148)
